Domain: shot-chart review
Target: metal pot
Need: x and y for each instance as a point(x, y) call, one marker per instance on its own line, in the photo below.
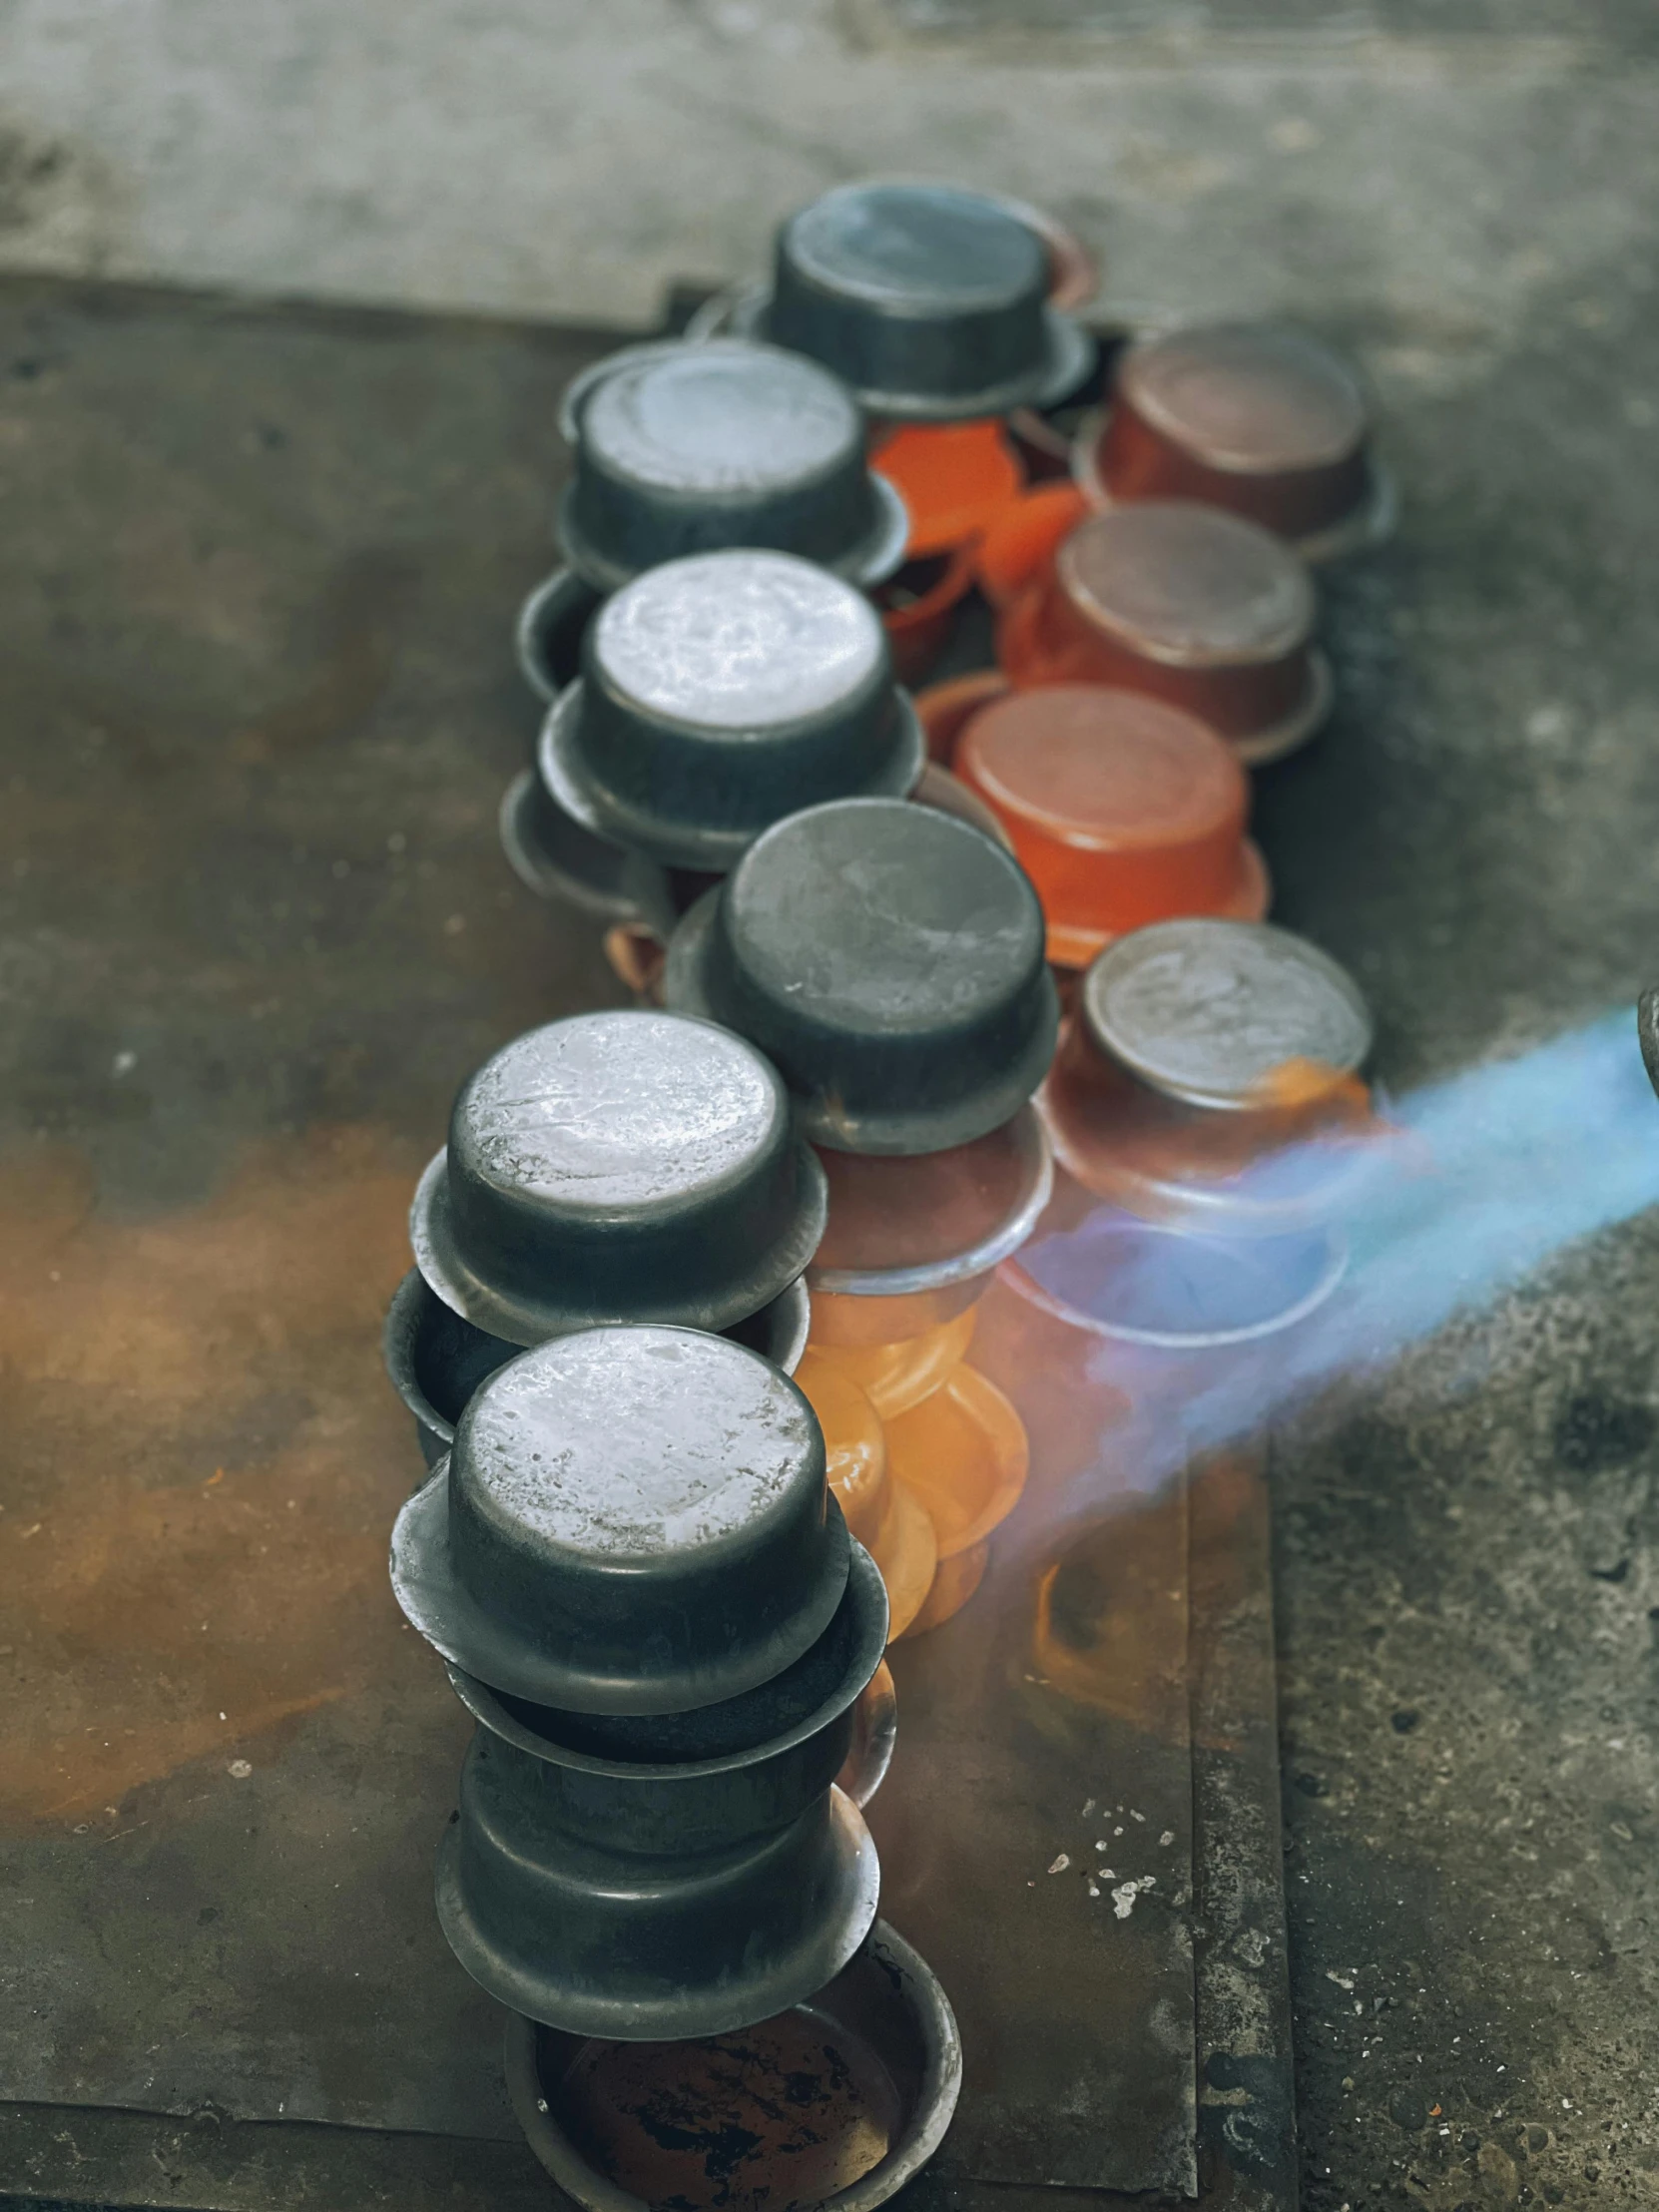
point(633, 1520)
point(931, 302)
point(874, 2058)
point(1208, 1079)
point(1123, 809)
point(659, 1781)
point(1198, 607)
point(436, 1359)
point(619, 1166)
point(721, 693)
point(684, 449)
point(890, 961)
point(560, 1922)
point(808, 1695)
point(1260, 418)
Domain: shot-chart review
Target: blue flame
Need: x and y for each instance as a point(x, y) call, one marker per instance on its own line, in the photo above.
point(1492, 1173)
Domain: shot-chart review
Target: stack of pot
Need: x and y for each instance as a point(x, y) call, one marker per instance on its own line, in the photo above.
point(1208, 1112)
point(890, 963)
point(1172, 577)
point(688, 1337)
point(722, 497)
point(947, 311)
point(629, 1560)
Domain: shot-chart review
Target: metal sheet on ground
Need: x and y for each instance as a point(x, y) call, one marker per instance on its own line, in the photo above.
point(256, 931)
point(1037, 1842)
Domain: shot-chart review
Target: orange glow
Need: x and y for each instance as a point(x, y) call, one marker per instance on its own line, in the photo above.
point(890, 1524)
point(896, 1376)
point(962, 1453)
point(1304, 1082)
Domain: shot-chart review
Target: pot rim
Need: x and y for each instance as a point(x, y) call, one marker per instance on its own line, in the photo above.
point(1334, 1268)
point(648, 902)
point(981, 1258)
point(793, 1321)
point(435, 1601)
point(666, 842)
point(916, 1986)
point(562, 582)
point(869, 1595)
point(526, 1322)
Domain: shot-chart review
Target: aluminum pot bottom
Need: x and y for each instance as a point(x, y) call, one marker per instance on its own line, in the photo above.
point(835, 2104)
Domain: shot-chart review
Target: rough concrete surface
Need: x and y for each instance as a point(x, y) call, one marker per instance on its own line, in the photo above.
point(1467, 1552)
point(552, 158)
point(1467, 1585)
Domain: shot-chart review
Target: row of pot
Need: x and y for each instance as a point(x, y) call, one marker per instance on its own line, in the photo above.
point(625, 1194)
point(644, 1588)
point(695, 1281)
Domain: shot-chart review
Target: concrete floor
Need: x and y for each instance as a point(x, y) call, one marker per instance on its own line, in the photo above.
point(1468, 1577)
point(1454, 166)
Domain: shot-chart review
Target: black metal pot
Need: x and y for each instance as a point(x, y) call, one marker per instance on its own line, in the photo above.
point(436, 1359)
point(809, 1695)
point(683, 449)
point(719, 694)
point(624, 1166)
point(1208, 1079)
point(929, 301)
point(632, 1522)
point(642, 1780)
point(891, 961)
point(559, 1923)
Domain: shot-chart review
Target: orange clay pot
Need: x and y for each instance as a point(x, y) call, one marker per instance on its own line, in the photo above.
point(886, 1518)
point(1121, 810)
point(1024, 537)
point(954, 478)
point(962, 1452)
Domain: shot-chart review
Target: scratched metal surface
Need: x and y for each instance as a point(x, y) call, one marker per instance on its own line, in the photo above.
point(255, 930)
